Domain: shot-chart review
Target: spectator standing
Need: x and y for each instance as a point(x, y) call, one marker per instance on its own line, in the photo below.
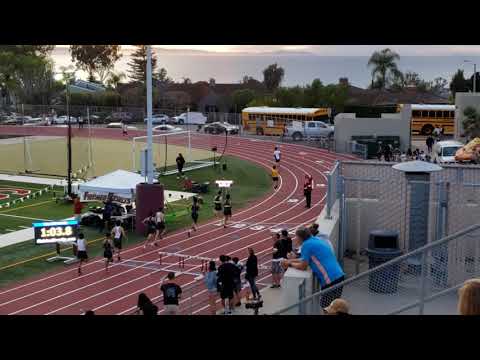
point(124, 128)
point(225, 283)
point(237, 281)
point(469, 301)
point(81, 252)
point(118, 233)
point(307, 190)
point(77, 209)
point(171, 293)
point(387, 152)
point(180, 160)
point(80, 122)
point(409, 154)
point(145, 305)
point(211, 284)
point(429, 142)
point(108, 250)
point(287, 244)
point(319, 256)
point(107, 214)
point(252, 273)
point(277, 257)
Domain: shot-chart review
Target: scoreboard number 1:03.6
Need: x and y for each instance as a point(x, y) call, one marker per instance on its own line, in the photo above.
point(57, 231)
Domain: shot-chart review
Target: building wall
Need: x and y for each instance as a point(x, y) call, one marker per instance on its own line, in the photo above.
point(462, 101)
point(347, 126)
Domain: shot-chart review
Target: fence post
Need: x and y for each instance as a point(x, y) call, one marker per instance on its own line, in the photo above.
point(342, 223)
point(329, 195)
point(423, 283)
point(301, 296)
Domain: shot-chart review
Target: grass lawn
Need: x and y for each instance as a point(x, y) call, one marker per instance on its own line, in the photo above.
point(250, 182)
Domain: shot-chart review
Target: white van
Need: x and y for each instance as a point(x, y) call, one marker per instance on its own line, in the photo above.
point(444, 151)
point(195, 118)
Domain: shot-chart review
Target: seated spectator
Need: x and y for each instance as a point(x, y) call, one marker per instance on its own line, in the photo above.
point(145, 305)
point(469, 301)
point(317, 254)
point(337, 307)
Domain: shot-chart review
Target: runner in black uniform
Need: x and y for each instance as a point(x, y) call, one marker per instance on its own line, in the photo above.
point(151, 229)
point(227, 210)
point(108, 250)
point(194, 209)
point(217, 201)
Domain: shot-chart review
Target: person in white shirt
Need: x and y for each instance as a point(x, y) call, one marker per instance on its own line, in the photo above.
point(160, 223)
point(118, 234)
point(81, 252)
point(277, 156)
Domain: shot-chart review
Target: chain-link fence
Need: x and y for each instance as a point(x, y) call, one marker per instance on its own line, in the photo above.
point(333, 189)
point(421, 282)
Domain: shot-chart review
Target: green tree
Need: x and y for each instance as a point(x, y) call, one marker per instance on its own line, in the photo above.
point(384, 67)
point(138, 64)
point(290, 97)
point(115, 79)
point(458, 83)
point(471, 122)
point(162, 77)
point(313, 94)
point(240, 98)
point(97, 60)
point(273, 76)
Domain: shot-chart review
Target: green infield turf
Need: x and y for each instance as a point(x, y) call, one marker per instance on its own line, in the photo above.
point(250, 182)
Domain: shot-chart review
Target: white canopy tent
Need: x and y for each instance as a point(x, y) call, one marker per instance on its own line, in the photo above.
point(120, 183)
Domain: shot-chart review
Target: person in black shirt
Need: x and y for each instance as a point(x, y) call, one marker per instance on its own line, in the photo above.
point(145, 306)
point(237, 281)
point(227, 210)
point(287, 244)
point(151, 227)
point(430, 141)
point(277, 257)
point(225, 281)
point(180, 163)
point(171, 294)
point(194, 212)
point(108, 250)
point(217, 201)
point(252, 273)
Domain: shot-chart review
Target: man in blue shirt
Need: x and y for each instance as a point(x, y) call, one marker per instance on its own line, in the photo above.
point(318, 254)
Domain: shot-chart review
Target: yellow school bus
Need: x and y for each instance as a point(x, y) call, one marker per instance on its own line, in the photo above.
point(425, 118)
point(266, 120)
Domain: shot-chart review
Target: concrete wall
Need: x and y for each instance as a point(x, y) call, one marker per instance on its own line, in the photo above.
point(462, 101)
point(347, 126)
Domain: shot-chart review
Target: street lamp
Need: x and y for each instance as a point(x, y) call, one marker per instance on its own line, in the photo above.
point(474, 74)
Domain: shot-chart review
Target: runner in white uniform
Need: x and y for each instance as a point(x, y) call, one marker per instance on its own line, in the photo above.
point(118, 234)
point(276, 156)
point(81, 252)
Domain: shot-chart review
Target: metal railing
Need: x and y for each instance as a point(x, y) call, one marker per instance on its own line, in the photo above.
point(333, 184)
point(417, 279)
point(354, 148)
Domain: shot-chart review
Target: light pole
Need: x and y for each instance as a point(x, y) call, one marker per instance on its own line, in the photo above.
point(149, 165)
point(474, 74)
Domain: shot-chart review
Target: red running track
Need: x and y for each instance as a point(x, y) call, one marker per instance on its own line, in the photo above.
point(64, 292)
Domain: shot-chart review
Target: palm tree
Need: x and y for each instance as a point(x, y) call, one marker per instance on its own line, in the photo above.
point(115, 79)
point(384, 67)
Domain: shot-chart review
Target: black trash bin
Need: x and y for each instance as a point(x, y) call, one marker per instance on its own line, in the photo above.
point(383, 247)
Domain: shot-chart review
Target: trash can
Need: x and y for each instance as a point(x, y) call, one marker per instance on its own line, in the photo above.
point(383, 247)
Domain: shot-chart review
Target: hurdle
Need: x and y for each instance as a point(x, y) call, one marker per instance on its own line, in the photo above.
point(183, 257)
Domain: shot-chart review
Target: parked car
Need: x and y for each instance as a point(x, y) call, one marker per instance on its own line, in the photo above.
point(309, 129)
point(37, 122)
point(118, 125)
point(166, 128)
point(444, 151)
point(194, 118)
point(63, 120)
point(124, 117)
point(220, 128)
point(159, 119)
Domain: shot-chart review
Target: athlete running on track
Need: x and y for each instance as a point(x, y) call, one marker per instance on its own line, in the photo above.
point(107, 250)
point(151, 229)
point(81, 252)
point(275, 176)
point(227, 210)
point(160, 223)
point(118, 233)
point(217, 202)
point(194, 213)
point(276, 156)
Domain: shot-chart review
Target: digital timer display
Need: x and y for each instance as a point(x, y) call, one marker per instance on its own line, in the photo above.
point(55, 232)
